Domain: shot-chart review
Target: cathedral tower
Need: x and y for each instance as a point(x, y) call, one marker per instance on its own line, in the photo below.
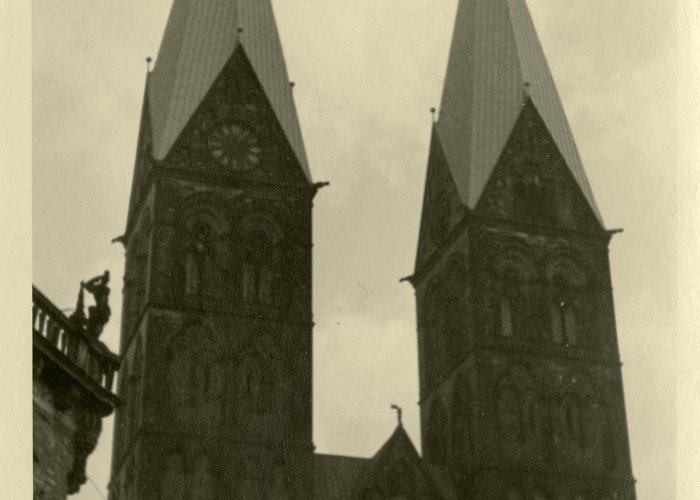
point(217, 324)
point(521, 387)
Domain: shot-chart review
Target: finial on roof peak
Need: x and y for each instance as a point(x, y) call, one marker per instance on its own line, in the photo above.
point(432, 112)
point(292, 84)
point(399, 414)
point(148, 63)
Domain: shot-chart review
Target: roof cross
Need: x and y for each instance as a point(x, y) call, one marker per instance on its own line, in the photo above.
point(399, 413)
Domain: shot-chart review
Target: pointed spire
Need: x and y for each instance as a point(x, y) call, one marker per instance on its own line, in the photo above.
point(496, 63)
point(200, 38)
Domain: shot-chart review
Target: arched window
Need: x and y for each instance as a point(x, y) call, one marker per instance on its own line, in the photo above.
point(515, 275)
point(262, 376)
point(195, 378)
point(567, 284)
point(199, 257)
point(436, 435)
point(509, 301)
point(564, 328)
point(260, 269)
point(263, 254)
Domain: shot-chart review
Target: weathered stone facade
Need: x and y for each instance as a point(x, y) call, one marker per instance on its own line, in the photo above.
point(521, 392)
point(216, 341)
point(71, 393)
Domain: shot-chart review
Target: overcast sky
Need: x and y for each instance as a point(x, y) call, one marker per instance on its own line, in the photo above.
point(367, 73)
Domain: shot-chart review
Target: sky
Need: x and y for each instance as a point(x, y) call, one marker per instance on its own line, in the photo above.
point(367, 73)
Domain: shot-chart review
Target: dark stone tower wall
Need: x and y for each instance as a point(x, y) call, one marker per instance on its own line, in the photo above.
point(217, 323)
point(521, 388)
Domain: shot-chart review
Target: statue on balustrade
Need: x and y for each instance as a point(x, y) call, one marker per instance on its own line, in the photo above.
point(98, 315)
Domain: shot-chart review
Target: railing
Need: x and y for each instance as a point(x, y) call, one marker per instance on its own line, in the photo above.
point(90, 355)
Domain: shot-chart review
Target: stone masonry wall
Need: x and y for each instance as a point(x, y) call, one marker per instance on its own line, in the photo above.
point(54, 433)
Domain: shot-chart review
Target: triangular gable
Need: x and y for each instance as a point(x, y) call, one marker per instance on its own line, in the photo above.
point(397, 469)
point(496, 62)
point(199, 39)
point(237, 97)
point(531, 182)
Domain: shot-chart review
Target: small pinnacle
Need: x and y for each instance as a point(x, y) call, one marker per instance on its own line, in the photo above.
point(432, 112)
point(292, 84)
point(148, 63)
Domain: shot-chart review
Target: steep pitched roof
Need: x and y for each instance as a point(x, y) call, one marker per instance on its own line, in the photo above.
point(496, 60)
point(200, 37)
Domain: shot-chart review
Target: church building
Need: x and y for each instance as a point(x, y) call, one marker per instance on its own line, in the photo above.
point(520, 382)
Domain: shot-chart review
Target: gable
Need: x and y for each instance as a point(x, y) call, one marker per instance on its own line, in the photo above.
point(532, 183)
point(496, 63)
point(199, 39)
point(442, 208)
point(397, 471)
point(235, 132)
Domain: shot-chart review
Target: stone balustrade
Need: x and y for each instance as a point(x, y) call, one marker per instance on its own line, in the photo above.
point(71, 341)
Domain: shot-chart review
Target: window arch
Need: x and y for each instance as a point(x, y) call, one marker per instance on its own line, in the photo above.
point(436, 434)
point(262, 377)
point(195, 377)
point(567, 284)
point(263, 255)
point(519, 407)
point(515, 274)
point(201, 232)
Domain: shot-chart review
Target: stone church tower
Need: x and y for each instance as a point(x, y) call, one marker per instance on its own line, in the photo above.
point(217, 323)
point(520, 383)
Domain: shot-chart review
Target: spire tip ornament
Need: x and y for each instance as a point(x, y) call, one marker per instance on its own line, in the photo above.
point(399, 414)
